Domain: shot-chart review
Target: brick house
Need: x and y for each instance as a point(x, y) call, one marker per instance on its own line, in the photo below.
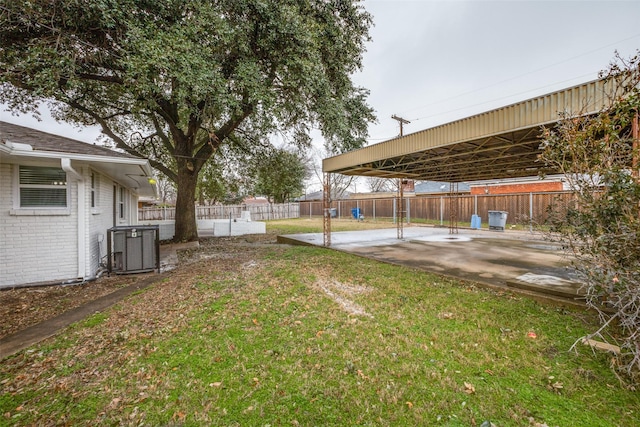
point(58, 197)
point(534, 184)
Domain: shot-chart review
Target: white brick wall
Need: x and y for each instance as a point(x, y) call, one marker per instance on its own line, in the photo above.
point(35, 248)
point(45, 247)
point(100, 220)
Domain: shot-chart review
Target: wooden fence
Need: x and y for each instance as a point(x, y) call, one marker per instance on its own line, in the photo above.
point(258, 212)
point(522, 209)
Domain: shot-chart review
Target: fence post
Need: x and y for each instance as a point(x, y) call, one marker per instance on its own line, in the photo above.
point(441, 210)
point(530, 212)
point(475, 204)
point(374, 209)
point(408, 202)
point(395, 220)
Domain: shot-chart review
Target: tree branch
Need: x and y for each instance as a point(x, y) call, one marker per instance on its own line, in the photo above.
point(106, 129)
point(100, 78)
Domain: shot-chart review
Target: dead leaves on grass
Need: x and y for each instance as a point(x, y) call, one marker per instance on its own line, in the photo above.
point(469, 388)
point(23, 307)
point(555, 386)
point(446, 315)
point(93, 355)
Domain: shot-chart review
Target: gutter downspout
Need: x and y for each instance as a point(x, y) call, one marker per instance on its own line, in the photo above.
point(82, 220)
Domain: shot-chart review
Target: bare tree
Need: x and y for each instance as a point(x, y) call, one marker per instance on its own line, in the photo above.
point(378, 185)
point(340, 184)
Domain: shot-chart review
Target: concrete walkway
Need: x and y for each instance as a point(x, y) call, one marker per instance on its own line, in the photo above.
point(512, 260)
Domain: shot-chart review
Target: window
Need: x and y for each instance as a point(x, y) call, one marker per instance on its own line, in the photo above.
point(121, 195)
point(42, 187)
point(94, 190)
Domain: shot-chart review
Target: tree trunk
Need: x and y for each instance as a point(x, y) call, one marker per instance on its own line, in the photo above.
point(186, 226)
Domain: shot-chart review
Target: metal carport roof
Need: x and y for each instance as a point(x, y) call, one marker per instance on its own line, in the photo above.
point(501, 143)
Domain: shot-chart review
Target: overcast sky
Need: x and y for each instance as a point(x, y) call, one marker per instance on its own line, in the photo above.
point(432, 62)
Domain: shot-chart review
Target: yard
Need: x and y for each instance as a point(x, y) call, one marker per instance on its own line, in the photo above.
point(250, 333)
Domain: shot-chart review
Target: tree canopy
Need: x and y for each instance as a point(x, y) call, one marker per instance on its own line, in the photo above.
point(280, 175)
point(174, 80)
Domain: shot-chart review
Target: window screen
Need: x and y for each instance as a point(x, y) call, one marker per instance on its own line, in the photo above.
point(43, 187)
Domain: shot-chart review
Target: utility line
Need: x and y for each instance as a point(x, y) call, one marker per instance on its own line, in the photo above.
point(525, 74)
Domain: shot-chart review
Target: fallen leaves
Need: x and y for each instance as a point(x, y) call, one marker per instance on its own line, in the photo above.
point(25, 307)
point(114, 403)
point(469, 388)
point(555, 386)
point(179, 416)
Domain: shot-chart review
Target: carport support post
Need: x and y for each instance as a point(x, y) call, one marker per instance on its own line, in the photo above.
point(453, 207)
point(326, 211)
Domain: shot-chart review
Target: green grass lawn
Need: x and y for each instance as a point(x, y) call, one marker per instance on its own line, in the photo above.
point(281, 336)
point(314, 225)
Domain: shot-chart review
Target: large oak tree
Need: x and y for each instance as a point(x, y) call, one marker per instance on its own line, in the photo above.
point(174, 80)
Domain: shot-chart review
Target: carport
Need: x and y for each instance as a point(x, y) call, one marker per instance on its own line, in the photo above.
point(497, 144)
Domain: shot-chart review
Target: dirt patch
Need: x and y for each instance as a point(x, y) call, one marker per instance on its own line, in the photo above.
point(340, 293)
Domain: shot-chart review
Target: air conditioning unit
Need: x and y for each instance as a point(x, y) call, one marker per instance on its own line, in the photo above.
point(133, 249)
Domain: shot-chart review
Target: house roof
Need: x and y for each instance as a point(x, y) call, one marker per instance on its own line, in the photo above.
point(23, 143)
point(438, 187)
point(316, 195)
point(43, 141)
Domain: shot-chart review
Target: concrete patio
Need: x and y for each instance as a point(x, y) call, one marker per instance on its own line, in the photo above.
point(514, 260)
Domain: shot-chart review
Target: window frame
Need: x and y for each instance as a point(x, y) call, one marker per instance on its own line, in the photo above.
point(122, 211)
point(18, 186)
point(94, 183)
